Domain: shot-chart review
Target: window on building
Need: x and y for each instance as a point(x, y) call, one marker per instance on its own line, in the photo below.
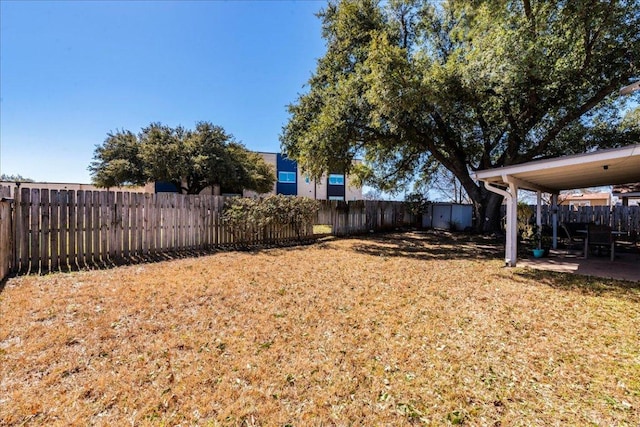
point(336, 179)
point(575, 205)
point(307, 179)
point(340, 198)
point(287, 177)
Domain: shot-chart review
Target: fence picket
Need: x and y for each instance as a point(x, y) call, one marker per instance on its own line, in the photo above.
point(88, 228)
point(45, 229)
point(112, 225)
point(147, 243)
point(104, 226)
point(54, 229)
point(139, 223)
point(63, 233)
point(133, 218)
point(80, 228)
point(117, 225)
point(22, 239)
point(97, 227)
point(71, 207)
point(125, 211)
point(35, 229)
point(6, 230)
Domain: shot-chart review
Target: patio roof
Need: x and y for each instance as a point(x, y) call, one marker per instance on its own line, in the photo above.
point(603, 167)
point(598, 168)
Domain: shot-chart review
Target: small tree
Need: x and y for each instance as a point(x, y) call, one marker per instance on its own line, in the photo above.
point(416, 205)
point(189, 159)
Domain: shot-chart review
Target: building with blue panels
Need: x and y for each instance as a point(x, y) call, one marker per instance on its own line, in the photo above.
point(290, 181)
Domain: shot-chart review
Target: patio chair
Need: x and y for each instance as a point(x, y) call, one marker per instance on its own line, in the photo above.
point(574, 240)
point(600, 236)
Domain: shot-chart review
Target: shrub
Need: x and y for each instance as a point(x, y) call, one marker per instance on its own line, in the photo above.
point(264, 219)
point(240, 217)
point(416, 203)
point(525, 214)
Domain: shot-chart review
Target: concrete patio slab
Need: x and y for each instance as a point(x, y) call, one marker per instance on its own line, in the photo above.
point(626, 266)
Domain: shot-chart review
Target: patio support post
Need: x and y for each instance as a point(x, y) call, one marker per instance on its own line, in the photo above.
point(554, 209)
point(539, 214)
point(511, 243)
point(512, 225)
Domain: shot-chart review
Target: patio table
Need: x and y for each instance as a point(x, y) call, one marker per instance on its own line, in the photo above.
point(613, 245)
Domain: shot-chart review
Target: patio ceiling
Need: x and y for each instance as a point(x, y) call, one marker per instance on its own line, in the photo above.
point(599, 168)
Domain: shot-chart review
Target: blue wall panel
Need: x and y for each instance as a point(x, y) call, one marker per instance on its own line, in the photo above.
point(335, 191)
point(165, 187)
point(283, 164)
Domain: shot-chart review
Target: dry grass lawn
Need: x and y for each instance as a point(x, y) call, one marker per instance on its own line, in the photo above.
point(402, 329)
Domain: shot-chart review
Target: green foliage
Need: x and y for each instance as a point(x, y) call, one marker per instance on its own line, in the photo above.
point(251, 219)
point(416, 203)
point(14, 178)
point(469, 85)
point(190, 159)
point(525, 227)
point(118, 161)
point(240, 216)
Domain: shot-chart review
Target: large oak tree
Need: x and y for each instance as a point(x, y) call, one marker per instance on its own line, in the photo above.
point(189, 159)
point(465, 84)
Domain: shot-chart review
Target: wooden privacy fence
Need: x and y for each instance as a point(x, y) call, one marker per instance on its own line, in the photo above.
point(48, 230)
point(60, 229)
point(361, 216)
point(620, 218)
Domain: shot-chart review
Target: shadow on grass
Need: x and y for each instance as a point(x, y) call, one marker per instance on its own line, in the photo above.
point(3, 282)
point(435, 245)
point(586, 285)
point(107, 263)
point(430, 245)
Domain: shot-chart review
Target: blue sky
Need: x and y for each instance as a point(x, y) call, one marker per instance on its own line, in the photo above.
point(71, 71)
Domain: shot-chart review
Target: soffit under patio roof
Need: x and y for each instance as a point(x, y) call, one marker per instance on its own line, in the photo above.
point(604, 167)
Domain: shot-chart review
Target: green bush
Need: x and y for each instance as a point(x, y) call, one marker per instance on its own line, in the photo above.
point(251, 220)
point(525, 215)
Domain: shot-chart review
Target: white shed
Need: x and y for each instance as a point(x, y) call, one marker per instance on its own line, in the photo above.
point(447, 216)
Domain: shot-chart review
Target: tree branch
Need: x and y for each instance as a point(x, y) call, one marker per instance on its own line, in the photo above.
point(571, 116)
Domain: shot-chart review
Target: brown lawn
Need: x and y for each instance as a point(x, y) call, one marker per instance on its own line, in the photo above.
point(400, 329)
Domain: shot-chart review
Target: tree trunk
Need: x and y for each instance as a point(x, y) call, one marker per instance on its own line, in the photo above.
point(487, 210)
point(486, 205)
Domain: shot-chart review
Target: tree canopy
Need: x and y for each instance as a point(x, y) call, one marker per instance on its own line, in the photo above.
point(14, 178)
point(409, 85)
point(189, 159)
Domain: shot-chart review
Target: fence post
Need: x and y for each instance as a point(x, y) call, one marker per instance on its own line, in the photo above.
point(6, 233)
point(14, 226)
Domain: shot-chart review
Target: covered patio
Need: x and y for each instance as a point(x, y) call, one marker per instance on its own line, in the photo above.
point(626, 266)
point(599, 168)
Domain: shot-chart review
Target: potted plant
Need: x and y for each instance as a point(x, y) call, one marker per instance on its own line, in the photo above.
point(543, 244)
point(538, 252)
point(547, 243)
